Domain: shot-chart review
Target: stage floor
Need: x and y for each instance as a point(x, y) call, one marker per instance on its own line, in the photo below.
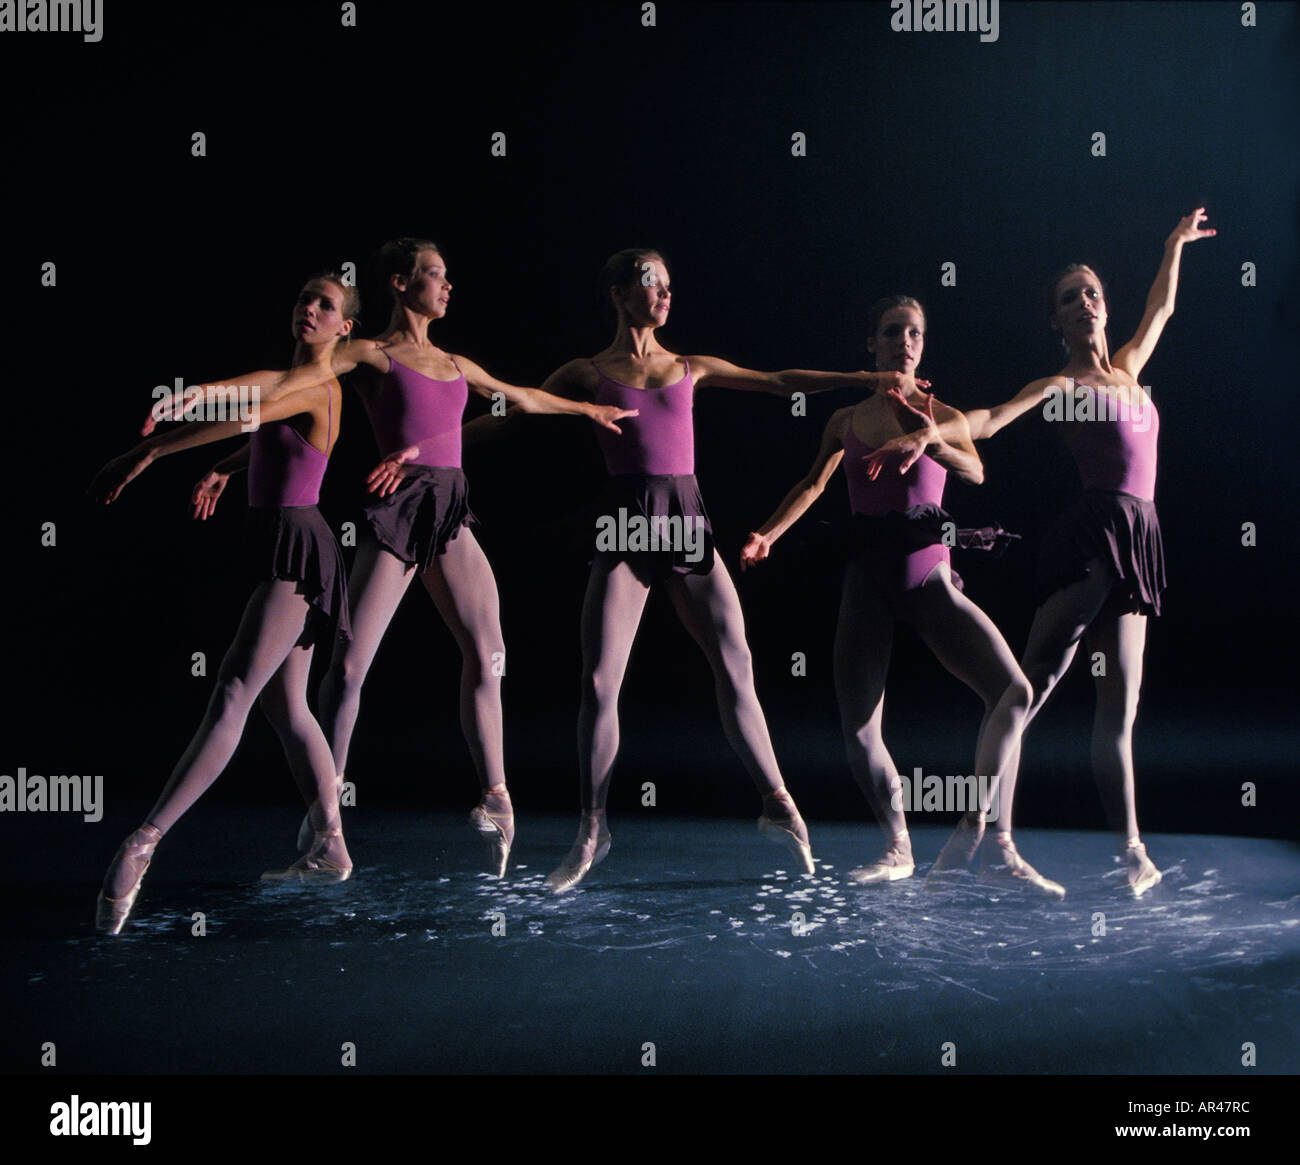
point(682, 939)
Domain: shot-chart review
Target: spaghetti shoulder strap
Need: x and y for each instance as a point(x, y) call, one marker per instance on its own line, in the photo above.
point(454, 364)
point(329, 415)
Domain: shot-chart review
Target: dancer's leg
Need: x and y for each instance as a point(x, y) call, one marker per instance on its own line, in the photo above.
point(1120, 639)
point(375, 588)
point(1058, 625)
point(1054, 636)
point(284, 700)
point(273, 620)
point(611, 614)
point(864, 639)
point(709, 608)
point(968, 643)
point(464, 590)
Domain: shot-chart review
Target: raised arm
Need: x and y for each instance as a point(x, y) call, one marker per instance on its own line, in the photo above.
point(1160, 300)
point(109, 481)
point(538, 400)
point(806, 491)
point(710, 371)
point(271, 384)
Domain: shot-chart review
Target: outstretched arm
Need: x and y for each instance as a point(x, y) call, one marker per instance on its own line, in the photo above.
point(1160, 300)
point(983, 423)
point(571, 381)
point(110, 480)
point(709, 371)
point(270, 384)
point(806, 491)
point(538, 400)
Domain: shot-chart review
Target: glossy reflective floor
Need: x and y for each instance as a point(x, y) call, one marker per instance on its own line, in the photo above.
point(684, 939)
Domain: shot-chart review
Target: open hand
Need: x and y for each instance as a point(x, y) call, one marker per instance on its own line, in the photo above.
point(389, 473)
point(606, 415)
point(908, 448)
point(206, 492)
point(1189, 229)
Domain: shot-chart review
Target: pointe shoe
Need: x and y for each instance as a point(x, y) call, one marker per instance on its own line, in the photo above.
point(313, 867)
point(1014, 870)
point(1142, 872)
point(568, 874)
point(497, 830)
point(136, 850)
point(893, 866)
point(960, 849)
point(789, 831)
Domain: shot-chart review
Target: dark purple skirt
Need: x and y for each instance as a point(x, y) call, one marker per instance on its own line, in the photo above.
point(297, 544)
point(426, 511)
point(1121, 530)
point(655, 522)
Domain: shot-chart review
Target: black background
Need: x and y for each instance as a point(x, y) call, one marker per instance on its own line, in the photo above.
point(923, 148)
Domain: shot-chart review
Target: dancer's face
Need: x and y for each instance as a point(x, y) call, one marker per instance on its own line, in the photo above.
point(1080, 311)
point(647, 301)
point(899, 340)
point(428, 290)
point(318, 314)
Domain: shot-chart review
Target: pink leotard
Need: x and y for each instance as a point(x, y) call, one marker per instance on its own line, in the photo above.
point(284, 468)
point(921, 485)
point(661, 440)
point(895, 493)
point(410, 408)
point(1116, 452)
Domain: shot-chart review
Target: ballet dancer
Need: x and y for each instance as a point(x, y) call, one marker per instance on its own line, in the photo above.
point(299, 602)
point(900, 570)
point(651, 476)
point(1101, 568)
point(415, 395)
